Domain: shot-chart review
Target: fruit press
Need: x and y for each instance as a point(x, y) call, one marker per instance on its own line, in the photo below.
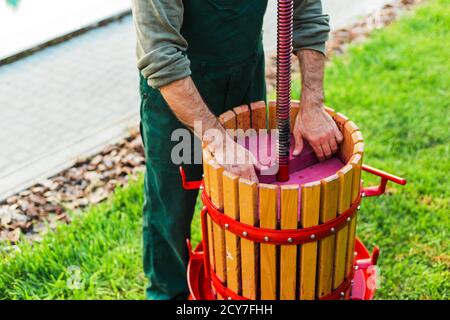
point(292, 235)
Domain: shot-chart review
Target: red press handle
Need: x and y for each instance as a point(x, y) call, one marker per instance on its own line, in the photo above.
point(385, 177)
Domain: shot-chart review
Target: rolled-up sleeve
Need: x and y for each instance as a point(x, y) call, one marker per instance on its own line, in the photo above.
point(311, 25)
point(160, 46)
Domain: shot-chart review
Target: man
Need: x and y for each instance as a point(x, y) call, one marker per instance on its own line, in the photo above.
point(197, 59)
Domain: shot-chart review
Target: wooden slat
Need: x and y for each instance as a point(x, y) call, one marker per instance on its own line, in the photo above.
point(330, 111)
point(248, 195)
point(340, 120)
point(243, 119)
point(357, 137)
point(346, 148)
point(228, 120)
point(206, 169)
point(216, 184)
point(211, 243)
point(268, 209)
point(344, 200)
point(358, 143)
point(206, 159)
point(308, 258)
point(272, 121)
point(351, 126)
point(288, 253)
point(359, 148)
point(328, 209)
point(232, 243)
point(216, 187)
point(259, 115)
point(355, 162)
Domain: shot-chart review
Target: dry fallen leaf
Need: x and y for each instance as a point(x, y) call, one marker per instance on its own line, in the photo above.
point(14, 235)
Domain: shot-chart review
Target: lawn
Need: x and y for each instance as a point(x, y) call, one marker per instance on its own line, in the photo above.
point(396, 88)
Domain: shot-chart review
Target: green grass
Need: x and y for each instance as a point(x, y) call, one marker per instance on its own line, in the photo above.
point(396, 88)
point(105, 244)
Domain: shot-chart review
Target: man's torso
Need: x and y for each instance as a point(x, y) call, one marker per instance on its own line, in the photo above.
point(223, 31)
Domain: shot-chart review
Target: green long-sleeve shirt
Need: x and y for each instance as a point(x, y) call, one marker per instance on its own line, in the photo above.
point(160, 45)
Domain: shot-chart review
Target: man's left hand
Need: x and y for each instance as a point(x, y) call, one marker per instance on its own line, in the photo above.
point(315, 125)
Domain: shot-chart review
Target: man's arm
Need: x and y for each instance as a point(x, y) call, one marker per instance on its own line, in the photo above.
point(311, 28)
point(188, 106)
point(313, 123)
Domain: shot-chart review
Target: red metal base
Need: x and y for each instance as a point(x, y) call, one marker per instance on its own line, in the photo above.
point(363, 286)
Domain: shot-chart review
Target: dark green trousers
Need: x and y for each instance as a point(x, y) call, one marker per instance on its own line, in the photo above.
point(168, 209)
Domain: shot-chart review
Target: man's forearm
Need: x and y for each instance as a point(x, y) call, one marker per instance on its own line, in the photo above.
point(313, 123)
point(312, 70)
point(188, 106)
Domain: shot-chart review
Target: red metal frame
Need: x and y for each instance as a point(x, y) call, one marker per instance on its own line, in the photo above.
point(363, 262)
point(362, 284)
point(337, 294)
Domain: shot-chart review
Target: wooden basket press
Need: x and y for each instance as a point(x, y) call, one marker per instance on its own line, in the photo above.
point(242, 268)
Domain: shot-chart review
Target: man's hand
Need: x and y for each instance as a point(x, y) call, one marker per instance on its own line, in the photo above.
point(231, 155)
point(313, 123)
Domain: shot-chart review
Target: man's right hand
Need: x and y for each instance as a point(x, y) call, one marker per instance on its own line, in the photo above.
point(232, 156)
point(188, 106)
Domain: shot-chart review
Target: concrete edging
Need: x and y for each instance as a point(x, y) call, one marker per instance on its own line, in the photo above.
point(101, 23)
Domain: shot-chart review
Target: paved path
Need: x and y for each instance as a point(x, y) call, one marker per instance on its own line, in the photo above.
point(65, 101)
point(73, 98)
point(22, 22)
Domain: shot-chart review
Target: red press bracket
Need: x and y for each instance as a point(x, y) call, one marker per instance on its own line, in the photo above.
point(189, 185)
point(374, 191)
